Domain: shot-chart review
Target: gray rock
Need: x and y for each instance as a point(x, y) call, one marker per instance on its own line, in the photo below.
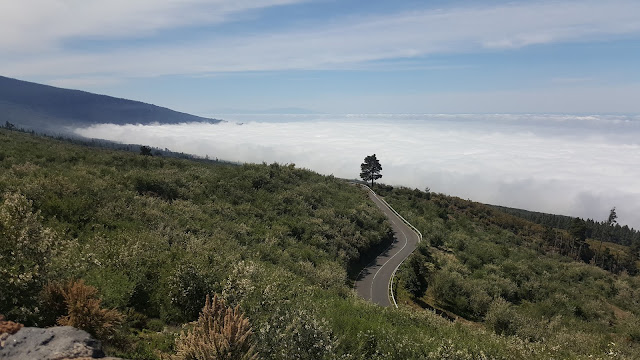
point(56, 343)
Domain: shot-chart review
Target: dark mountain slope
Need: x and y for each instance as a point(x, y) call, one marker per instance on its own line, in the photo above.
point(42, 107)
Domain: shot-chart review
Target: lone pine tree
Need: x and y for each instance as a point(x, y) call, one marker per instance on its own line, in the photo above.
point(370, 169)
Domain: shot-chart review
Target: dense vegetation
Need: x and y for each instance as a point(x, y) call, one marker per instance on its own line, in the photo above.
point(107, 144)
point(154, 236)
point(508, 274)
point(604, 243)
point(597, 230)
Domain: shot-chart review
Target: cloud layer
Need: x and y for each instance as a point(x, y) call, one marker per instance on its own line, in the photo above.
point(45, 27)
point(580, 166)
point(34, 25)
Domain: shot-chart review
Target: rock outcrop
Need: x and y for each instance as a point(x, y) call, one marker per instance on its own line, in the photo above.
point(56, 343)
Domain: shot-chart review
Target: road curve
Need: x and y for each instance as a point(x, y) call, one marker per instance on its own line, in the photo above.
point(373, 282)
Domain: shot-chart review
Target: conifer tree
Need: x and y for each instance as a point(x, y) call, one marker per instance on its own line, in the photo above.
point(611, 221)
point(370, 169)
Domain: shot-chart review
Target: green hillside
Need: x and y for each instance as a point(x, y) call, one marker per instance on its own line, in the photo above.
point(598, 230)
point(155, 235)
point(509, 275)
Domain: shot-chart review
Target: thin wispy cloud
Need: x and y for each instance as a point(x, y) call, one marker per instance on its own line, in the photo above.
point(84, 82)
point(571, 80)
point(353, 40)
point(559, 164)
point(31, 25)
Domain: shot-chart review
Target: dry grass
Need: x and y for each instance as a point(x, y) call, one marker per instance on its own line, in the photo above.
point(8, 327)
point(615, 249)
point(84, 310)
point(220, 333)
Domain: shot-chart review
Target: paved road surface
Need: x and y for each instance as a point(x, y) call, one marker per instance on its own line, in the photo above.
point(373, 282)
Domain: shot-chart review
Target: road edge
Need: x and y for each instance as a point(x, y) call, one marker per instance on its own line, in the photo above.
point(393, 275)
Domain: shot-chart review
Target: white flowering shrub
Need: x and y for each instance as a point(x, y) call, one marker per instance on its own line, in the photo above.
point(240, 283)
point(297, 334)
point(449, 350)
point(26, 248)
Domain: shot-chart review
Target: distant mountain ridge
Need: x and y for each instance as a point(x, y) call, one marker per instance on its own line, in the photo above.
point(48, 108)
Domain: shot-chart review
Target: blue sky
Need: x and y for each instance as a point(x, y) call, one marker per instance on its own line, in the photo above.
point(212, 57)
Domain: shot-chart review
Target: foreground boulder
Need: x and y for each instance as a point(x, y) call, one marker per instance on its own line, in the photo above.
point(56, 343)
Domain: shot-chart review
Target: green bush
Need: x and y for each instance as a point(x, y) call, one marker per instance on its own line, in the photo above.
point(296, 334)
point(156, 187)
point(502, 318)
point(188, 288)
point(155, 325)
point(26, 252)
point(415, 274)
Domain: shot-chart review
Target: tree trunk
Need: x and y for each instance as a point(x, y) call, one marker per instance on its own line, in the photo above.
point(579, 254)
point(599, 254)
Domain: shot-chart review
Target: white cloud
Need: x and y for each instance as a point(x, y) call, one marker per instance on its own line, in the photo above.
point(338, 42)
point(84, 81)
point(526, 161)
point(36, 24)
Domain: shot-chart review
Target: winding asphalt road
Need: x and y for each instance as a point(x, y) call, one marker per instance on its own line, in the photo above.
point(373, 282)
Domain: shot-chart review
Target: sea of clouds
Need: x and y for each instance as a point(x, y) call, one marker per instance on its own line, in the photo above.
point(565, 164)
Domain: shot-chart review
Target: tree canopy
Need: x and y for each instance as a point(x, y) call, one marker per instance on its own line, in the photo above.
point(370, 169)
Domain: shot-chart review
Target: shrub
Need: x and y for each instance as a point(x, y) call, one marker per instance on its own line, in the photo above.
point(220, 333)
point(156, 187)
point(187, 288)
point(155, 325)
point(52, 303)
point(8, 327)
point(436, 238)
point(135, 320)
point(631, 328)
point(414, 275)
point(501, 317)
point(84, 311)
point(26, 248)
point(297, 334)
point(145, 151)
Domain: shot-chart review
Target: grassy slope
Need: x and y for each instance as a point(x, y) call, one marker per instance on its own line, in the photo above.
point(496, 269)
point(154, 235)
point(614, 249)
